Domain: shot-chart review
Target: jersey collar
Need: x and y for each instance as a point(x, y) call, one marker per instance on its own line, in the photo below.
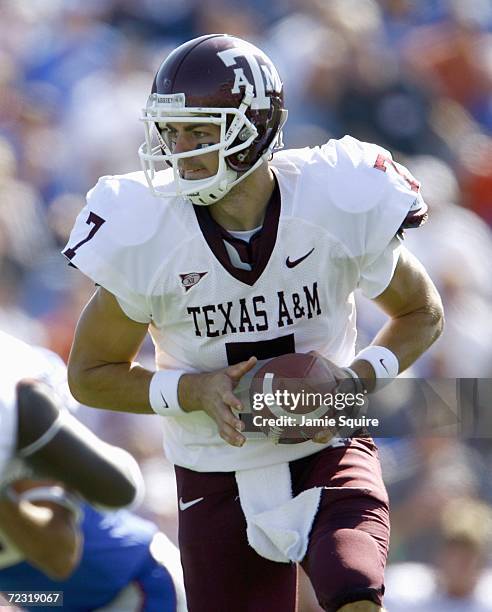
point(257, 252)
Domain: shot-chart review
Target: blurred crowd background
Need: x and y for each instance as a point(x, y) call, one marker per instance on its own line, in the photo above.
point(412, 75)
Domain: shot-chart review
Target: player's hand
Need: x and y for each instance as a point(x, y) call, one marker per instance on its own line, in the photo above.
point(212, 392)
point(324, 436)
point(337, 372)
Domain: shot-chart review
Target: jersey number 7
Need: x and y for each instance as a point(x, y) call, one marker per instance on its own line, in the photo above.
point(96, 221)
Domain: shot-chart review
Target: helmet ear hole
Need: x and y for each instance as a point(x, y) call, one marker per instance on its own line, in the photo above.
point(243, 155)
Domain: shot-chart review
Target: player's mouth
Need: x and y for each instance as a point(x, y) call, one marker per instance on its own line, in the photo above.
point(194, 173)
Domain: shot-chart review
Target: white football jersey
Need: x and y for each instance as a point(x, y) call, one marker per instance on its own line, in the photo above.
point(330, 227)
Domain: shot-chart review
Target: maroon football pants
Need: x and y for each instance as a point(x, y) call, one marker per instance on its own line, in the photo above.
point(347, 548)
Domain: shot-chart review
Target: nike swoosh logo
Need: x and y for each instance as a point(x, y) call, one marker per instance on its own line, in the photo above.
point(296, 262)
point(184, 505)
point(381, 361)
point(165, 405)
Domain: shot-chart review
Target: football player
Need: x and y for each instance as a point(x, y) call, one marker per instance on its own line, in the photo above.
point(49, 539)
point(111, 561)
point(227, 252)
point(39, 434)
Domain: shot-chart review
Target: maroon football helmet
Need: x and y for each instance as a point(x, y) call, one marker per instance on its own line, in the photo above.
point(221, 80)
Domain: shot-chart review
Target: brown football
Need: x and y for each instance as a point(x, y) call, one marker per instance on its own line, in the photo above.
point(300, 384)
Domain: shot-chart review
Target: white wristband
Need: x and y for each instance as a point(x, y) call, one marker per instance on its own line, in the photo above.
point(357, 381)
point(384, 363)
point(163, 392)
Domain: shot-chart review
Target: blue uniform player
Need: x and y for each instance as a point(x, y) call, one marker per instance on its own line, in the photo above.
point(118, 569)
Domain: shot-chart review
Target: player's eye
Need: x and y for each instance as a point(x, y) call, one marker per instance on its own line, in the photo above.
point(202, 135)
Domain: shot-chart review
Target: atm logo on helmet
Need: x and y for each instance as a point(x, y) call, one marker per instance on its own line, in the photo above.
point(268, 81)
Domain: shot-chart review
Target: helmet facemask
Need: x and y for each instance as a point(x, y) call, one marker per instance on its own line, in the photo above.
point(237, 134)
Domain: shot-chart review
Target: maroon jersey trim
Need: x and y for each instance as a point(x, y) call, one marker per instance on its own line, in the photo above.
point(257, 252)
point(416, 218)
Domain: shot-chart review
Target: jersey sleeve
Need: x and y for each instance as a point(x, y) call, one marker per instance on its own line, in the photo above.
point(376, 200)
point(107, 244)
point(134, 311)
point(376, 274)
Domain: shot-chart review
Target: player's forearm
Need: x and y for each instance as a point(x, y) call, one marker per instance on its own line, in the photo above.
point(410, 335)
point(48, 542)
point(407, 336)
point(416, 320)
point(122, 387)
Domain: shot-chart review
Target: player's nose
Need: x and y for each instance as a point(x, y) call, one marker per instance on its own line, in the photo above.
point(183, 143)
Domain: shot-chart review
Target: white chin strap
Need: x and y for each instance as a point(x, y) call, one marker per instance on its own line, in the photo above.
point(207, 196)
